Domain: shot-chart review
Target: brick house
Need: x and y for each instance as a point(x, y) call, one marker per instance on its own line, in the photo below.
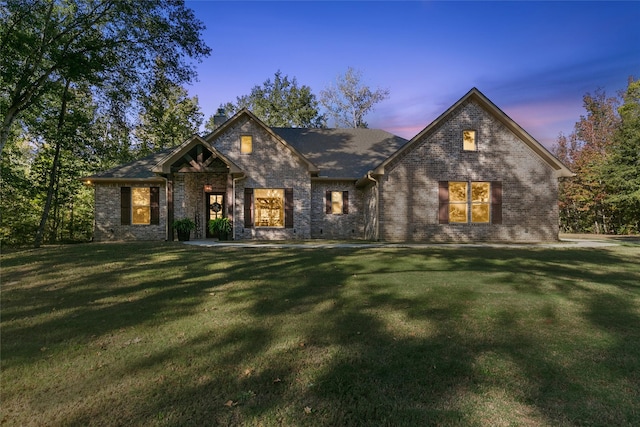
point(473, 174)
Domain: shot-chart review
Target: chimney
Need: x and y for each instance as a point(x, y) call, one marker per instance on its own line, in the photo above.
point(219, 118)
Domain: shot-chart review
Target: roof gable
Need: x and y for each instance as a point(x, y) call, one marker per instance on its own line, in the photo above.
point(474, 94)
point(312, 168)
point(190, 157)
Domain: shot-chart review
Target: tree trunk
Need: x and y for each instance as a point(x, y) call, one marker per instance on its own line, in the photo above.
point(6, 128)
point(54, 168)
point(56, 210)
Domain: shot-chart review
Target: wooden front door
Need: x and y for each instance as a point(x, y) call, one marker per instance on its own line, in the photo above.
point(215, 208)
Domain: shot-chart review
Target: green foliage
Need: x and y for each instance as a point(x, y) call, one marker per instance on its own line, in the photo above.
point(109, 45)
point(184, 224)
point(168, 115)
point(219, 226)
point(349, 101)
point(279, 103)
point(19, 207)
point(622, 170)
point(72, 74)
point(27, 172)
point(583, 198)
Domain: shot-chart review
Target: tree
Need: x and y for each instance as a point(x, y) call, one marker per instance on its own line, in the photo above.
point(19, 210)
point(622, 169)
point(583, 198)
point(56, 52)
point(61, 134)
point(279, 103)
point(41, 192)
point(109, 44)
point(168, 115)
point(349, 101)
point(570, 213)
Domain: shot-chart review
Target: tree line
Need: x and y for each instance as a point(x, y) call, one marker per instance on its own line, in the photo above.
point(604, 153)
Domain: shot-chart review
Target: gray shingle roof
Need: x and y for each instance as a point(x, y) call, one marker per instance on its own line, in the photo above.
point(342, 153)
point(137, 169)
point(338, 153)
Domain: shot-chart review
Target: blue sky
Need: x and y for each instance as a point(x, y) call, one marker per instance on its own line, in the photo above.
point(534, 60)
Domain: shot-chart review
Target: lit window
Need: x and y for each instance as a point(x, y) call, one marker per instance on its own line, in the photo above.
point(246, 144)
point(469, 142)
point(269, 207)
point(477, 201)
point(140, 205)
point(336, 202)
point(458, 205)
point(480, 196)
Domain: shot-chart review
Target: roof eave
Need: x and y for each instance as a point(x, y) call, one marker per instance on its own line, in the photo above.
point(106, 180)
point(333, 178)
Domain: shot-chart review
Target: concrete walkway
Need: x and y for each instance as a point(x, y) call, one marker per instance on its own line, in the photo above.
point(319, 244)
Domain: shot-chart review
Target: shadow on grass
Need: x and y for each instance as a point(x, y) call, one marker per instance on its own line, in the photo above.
point(471, 336)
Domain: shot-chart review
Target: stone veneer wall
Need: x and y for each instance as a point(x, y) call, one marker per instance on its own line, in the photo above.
point(409, 188)
point(107, 215)
point(332, 226)
point(269, 165)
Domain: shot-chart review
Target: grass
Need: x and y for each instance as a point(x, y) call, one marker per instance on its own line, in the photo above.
point(169, 334)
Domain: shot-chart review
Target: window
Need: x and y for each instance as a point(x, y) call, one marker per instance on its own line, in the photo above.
point(458, 211)
point(139, 205)
point(480, 201)
point(246, 144)
point(337, 202)
point(470, 202)
point(469, 141)
point(268, 207)
point(461, 202)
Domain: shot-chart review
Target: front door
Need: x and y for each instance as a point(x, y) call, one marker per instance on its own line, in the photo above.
point(215, 208)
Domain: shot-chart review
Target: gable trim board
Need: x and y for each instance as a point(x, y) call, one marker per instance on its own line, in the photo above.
point(392, 187)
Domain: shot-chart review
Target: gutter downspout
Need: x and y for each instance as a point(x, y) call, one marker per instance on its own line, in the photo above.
point(372, 179)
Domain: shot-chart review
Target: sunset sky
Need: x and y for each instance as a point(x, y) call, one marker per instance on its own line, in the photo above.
point(534, 60)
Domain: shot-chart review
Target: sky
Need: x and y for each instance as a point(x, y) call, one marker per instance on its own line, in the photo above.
point(534, 60)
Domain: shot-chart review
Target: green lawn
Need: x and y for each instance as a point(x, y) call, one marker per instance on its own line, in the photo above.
point(169, 334)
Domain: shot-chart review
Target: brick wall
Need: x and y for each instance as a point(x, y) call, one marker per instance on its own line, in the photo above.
point(336, 226)
point(409, 188)
point(107, 215)
point(269, 165)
